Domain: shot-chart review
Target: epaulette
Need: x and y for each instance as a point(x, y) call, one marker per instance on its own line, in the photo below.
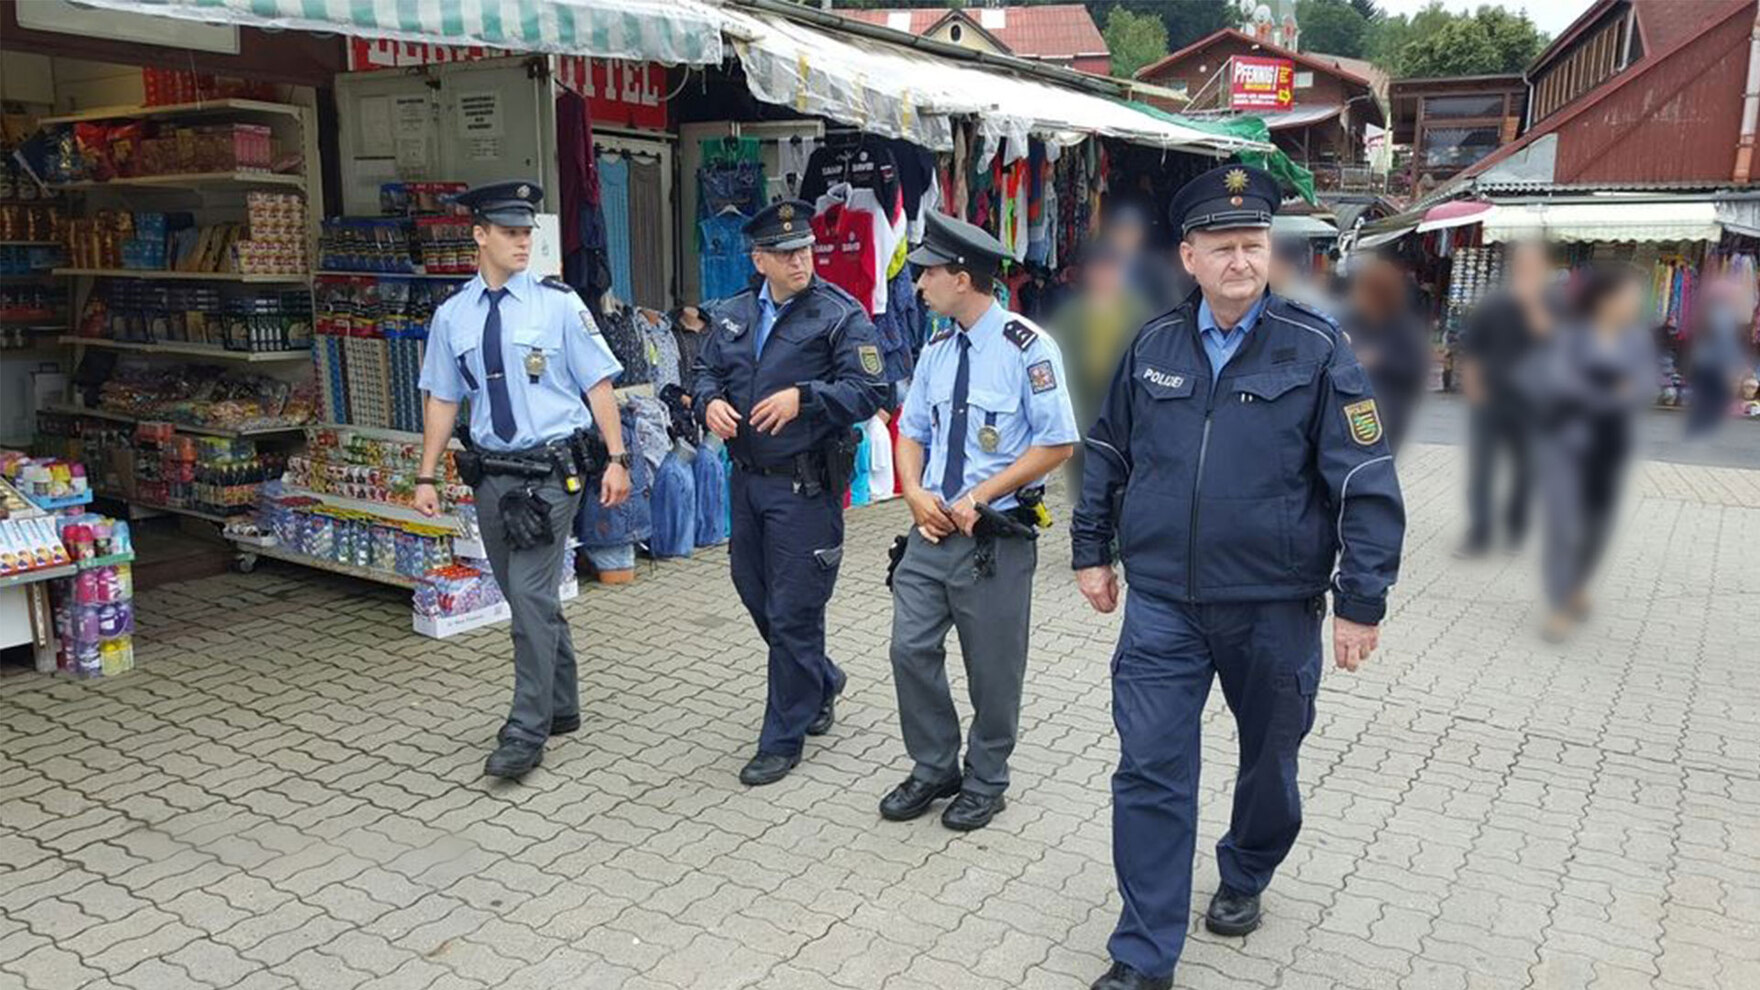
point(945, 333)
point(1308, 310)
point(1020, 334)
point(555, 282)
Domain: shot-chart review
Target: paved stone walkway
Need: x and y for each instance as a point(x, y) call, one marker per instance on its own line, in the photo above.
point(288, 793)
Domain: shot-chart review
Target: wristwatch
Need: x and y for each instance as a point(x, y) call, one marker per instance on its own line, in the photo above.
point(621, 460)
point(433, 482)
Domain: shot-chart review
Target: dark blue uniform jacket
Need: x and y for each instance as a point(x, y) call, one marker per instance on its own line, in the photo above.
point(823, 342)
point(1252, 486)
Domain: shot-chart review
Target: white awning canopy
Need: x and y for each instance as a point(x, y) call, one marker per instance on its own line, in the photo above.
point(1297, 225)
point(1685, 220)
point(670, 31)
point(894, 90)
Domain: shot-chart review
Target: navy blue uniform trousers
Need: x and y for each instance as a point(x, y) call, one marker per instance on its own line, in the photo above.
point(785, 549)
point(1267, 655)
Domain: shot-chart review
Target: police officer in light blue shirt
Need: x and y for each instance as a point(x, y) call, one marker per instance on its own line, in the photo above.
point(529, 358)
point(987, 415)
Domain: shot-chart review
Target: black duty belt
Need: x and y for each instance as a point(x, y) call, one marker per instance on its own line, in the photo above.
point(787, 469)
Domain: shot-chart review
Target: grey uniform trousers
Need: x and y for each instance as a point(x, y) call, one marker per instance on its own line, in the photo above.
point(544, 680)
point(935, 587)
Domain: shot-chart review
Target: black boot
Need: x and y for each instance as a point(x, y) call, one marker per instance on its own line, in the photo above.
point(562, 725)
point(1232, 912)
point(767, 768)
point(827, 716)
point(970, 812)
point(1122, 977)
point(514, 758)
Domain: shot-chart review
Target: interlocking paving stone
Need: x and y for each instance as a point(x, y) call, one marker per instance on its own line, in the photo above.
point(287, 792)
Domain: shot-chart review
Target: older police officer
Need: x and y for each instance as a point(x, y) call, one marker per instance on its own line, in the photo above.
point(988, 414)
point(1238, 460)
point(790, 367)
point(525, 352)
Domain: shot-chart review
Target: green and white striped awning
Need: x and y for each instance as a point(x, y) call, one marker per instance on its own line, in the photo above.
point(670, 31)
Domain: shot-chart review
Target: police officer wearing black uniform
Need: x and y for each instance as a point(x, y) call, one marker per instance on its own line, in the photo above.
point(790, 367)
point(538, 376)
point(1239, 467)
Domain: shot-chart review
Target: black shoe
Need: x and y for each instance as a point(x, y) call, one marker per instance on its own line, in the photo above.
point(971, 811)
point(1232, 912)
point(827, 716)
point(562, 725)
point(767, 768)
point(913, 797)
point(1122, 977)
point(514, 758)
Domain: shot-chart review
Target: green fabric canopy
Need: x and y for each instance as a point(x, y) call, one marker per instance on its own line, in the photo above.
point(1287, 172)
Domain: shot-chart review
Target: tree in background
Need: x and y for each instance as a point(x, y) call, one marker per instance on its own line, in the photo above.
point(1491, 40)
point(1335, 27)
point(1186, 20)
point(1134, 40)
point(1438, 42)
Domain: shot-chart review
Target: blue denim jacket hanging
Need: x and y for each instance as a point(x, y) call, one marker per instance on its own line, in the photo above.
point(675, 507)
point(710, 469)
point(598, 527)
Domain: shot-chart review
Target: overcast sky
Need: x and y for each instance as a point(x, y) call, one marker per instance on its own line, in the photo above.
point(1551, 16)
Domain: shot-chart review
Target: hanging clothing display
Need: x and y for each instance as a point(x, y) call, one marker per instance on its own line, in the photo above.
point(844, 251)
point(732, 174)
point(865, 163)
point(793, 154)
point(885, 232)
point(880, 480)
point(662, 346)
point(675, 506)
point(628, 344)
point(614, 199)
point(710, 471)
point(724, 263)
point(618, 528)
point(646, 207)
point(901, 328)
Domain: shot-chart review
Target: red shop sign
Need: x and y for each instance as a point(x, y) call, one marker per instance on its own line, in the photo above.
point(1260, 83)
point(618, 93)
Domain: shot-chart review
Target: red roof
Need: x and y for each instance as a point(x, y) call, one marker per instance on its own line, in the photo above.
point(1319, 64)
point(1651, 64)
point(1054, 31)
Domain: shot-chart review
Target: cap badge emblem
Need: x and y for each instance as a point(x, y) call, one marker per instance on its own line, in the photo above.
point(786, 226)
point(785, 211)
point(1234, 201)
point(1235, 181)
point(523, 191)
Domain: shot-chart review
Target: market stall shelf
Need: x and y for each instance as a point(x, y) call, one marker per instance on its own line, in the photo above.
point(177, 110)
point(193, 350)
point(249, 549)
point(172, 509)
point(190, 180)
point(40, 574)
point(334, 273)
point(446, 626)
point(30, 243)
point(299, 279)
point(57, 504)
point(68, 409)
point(384, 510)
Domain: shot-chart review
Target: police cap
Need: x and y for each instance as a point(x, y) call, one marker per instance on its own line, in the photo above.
point(1226, 198)
point(505, 204)
point(782, 226)
point(947, 241)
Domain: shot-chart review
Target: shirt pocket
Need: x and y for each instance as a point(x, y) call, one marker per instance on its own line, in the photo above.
point(1000, 411)
point(539, 348)
point(467, 356)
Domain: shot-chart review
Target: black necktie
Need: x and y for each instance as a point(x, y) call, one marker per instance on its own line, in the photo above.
point(954, 473)
point(495, 366)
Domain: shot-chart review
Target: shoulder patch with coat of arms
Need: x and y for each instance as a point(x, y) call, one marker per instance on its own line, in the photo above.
point(870, 356)
point(1365, 422)
point(590, 325)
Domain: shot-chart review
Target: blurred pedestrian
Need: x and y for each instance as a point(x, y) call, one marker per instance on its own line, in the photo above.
point(1588, 383)
point(1717, 359)
point(1292, 276)
point(1390, 340)
point(1092, 328)
point(1497, 338)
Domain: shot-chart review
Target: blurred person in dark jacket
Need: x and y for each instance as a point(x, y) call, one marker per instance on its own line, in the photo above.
point(1292, 276)
point(1718, 357)
point(1496, 341)
point(1390, 340)
point(1587, 384)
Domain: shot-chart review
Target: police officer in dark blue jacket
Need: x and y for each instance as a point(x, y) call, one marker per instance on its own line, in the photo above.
point(789, 368)
point(1239, 469)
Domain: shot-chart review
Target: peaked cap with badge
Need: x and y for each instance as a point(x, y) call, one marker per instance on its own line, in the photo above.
point(1229, 197)
point(786, 225)
point(505, 204)
point(947, 241)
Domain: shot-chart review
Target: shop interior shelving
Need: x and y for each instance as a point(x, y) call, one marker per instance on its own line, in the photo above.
point(214, 196)
point(191, 350)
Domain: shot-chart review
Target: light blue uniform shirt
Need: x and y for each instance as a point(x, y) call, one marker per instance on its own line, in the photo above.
point(1020, 392)
point(536, 319)
point(768, 313)
point(1220, 345)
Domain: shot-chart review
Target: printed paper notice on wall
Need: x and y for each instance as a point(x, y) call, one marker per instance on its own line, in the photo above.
point(479, 114)
point(547, 245)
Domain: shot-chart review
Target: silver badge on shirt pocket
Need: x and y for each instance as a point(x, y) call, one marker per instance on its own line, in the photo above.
point(989, 438)
point(536, 362)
